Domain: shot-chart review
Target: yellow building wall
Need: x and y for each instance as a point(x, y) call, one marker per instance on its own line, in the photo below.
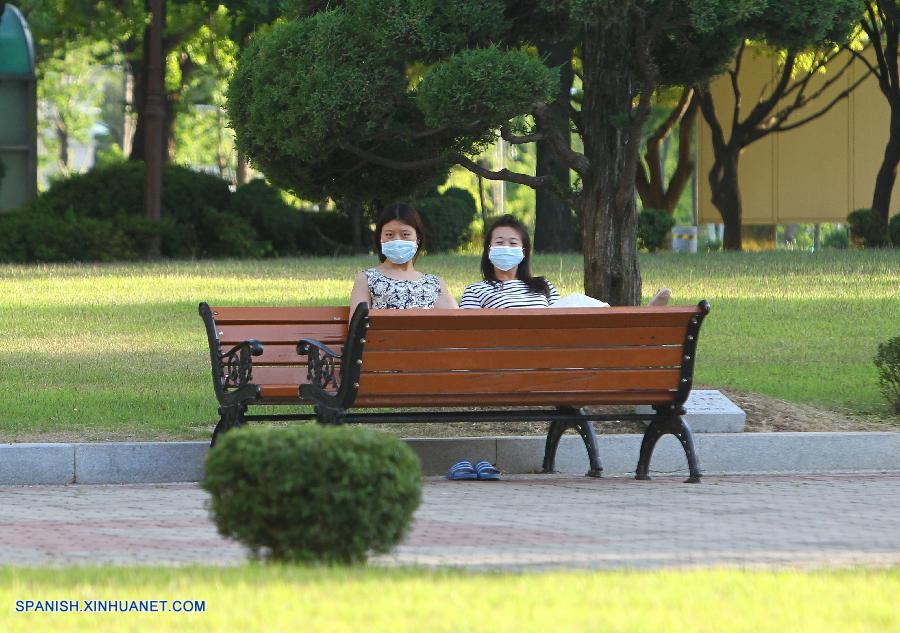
point(818, 172)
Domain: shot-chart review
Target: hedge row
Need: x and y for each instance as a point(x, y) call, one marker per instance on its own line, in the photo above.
point(99, 216)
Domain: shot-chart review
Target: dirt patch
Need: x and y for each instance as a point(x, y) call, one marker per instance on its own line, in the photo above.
point(764, 414)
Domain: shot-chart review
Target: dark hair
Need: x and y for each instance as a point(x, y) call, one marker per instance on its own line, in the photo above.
point(523, 272)
point(402, 213)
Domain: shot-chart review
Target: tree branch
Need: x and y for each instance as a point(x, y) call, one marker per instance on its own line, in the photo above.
point(535, 182)
point(843, 94)
point(400, 165)
point(575, 115)
point(511, 138)
point(735, 89)
point(572, 159)
point(678, 111)
point(763, 108)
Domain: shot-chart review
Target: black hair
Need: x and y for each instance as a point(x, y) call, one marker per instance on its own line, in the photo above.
point(402, 213)
point(538, 285)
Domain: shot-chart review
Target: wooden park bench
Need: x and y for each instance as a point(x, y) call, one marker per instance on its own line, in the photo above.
point(547, 363)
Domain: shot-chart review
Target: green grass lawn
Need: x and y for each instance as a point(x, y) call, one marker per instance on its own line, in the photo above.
point(94, 349)
point(372, 600)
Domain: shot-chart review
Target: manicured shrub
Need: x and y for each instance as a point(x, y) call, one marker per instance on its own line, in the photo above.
point(107, 204)
point(866, 228)
point(447, 218)
point(887, 360)
point(313, 493)
point(34, 235)
point(837, 238)
point(283, 226)
point(894, 230)
point(653, 229)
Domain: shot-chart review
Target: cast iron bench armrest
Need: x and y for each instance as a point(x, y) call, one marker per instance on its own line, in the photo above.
point(237, 363)
point(320, 366)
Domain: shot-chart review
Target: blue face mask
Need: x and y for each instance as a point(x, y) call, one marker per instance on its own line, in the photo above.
point(506, 257)
point(399, 251)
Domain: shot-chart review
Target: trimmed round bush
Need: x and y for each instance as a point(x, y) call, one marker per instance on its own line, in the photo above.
point(887, 360)
point(894, 230)
point(447, 218)
point(866, 227)
point(312, 493)
point(653, 229)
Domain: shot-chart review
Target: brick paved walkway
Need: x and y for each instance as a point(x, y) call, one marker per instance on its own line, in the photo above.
point(527, 521)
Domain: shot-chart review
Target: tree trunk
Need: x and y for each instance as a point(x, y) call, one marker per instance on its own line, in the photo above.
point(154, 115)
point(607, 203)
point(140, 69)
point(887, 173)
point(553, 220)
point(655, 192)
point(62, 135)
point(723, 182)
point(241, 173)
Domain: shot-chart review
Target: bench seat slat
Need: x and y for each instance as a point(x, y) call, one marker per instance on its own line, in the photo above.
point(287, 394)
point(510, 381)
point(529, 318)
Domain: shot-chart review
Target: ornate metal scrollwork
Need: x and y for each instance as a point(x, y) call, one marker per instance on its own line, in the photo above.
point(320, 368)
point(237, 364)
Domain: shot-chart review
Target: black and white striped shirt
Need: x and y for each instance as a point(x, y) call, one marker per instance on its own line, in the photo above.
point(506, 294)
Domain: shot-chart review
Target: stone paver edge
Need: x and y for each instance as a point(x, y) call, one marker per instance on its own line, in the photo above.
point(721, 454)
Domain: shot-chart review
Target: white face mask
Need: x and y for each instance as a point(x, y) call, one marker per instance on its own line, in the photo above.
point(399, 251)
point(506, 257)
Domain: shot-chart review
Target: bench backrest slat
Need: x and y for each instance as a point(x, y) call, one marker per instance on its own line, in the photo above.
point(283, 333)
point(524, 358)
point(477, 339)
point(529, 318)
point(254, 315)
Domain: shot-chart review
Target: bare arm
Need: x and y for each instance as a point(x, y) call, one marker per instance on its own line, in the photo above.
point(360, 292)
point(445, 299)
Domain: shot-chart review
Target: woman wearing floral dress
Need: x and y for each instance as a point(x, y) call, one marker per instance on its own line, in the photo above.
point(395, 283)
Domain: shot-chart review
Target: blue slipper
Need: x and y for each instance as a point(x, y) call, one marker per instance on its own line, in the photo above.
point(486, 470)
point(462, 470)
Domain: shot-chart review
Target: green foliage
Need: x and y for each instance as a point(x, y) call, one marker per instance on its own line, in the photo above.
point(448, 219)
point(312, 493)
point(489, 85)
point(800, 24)
point(35, 234)
point(106, 206)
point(342, 91)
point(837, 238)
point(283, 226)
point(430, 29)
point(653, 229)
point(894, 230)
point(887, 360)
point(866, 227)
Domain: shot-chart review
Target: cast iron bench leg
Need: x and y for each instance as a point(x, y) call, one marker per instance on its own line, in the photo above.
point(668, 422)
point(585, 429)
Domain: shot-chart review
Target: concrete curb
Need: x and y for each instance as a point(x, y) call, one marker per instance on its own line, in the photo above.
point(719, 453)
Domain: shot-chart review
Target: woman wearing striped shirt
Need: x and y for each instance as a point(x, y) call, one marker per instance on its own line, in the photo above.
point(505, 266)
point(507, 276)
